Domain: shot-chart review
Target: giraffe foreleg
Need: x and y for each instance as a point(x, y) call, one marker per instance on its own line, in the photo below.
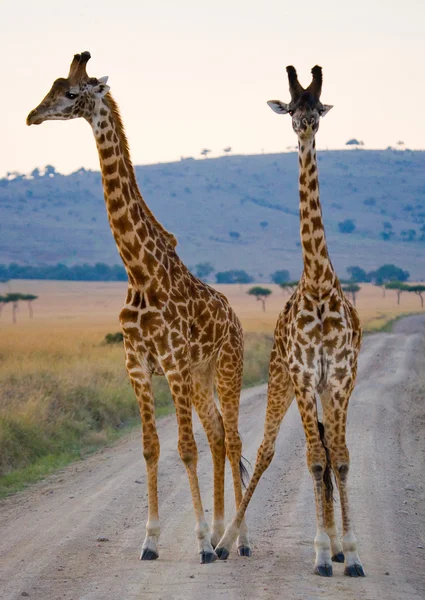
point(141, 381)
point(280, 396)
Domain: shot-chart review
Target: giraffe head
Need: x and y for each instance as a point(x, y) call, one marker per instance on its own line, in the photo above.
point(72, 97)
point(305, 107)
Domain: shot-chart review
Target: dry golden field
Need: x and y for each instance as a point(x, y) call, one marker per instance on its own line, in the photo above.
point(80, 310)
point(63, 391)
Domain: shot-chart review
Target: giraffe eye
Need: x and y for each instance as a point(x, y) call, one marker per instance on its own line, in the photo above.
point(291, 112)
point(70, 95)
point(321, 111)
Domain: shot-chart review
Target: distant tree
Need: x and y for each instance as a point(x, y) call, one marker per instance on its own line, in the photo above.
point(408, 235)
point(288, 286)
point(357, 274)
point(14, 299)
point(29, 299)
point(280, 277)
point(353, 289)
point(233, 276)
point(3, 302)
point(227, 150)
point(354, 142)
point(205, 152)
point(114, 338)
point(387, 273)
point(387, 225)
point(264, 224)
point(5, 280)
point(235, 235)
point(399, 287)
point(347, 226)
point(419, 290)
point(261, 294)
point(203, 270)
point(50, 170)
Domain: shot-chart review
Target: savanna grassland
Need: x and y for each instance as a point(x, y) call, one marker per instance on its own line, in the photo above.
point(64, 392)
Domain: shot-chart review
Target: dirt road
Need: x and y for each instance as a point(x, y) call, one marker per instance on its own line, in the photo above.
point(48, 534)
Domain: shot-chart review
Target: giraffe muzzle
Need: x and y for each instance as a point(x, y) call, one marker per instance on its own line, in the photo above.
point(33, 118)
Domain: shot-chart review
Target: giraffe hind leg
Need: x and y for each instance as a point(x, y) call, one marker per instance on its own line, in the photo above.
point(180, 382)
point(228, 378)
point(335, 415)
point(212, 422)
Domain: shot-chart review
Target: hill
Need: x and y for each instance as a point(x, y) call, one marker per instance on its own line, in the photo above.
point(235, 212)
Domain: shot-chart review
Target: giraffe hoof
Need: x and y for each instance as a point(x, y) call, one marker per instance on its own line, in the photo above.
point(339, 557)
point(222, 553)
point(355, 570)
point(244, 551)
point(323, 570)
point(148, 554)
point(207, 557)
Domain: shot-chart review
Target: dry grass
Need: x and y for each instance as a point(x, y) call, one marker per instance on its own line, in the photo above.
point(63, 392)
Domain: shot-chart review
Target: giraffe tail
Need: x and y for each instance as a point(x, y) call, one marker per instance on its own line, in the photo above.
point(327, 475)
point(244, 472)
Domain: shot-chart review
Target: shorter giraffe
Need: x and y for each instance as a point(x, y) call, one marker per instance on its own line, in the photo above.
point(173, 323)
point(316, 344)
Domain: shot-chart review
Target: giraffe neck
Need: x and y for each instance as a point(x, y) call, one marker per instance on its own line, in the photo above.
point(139, 237)
point(319, 275)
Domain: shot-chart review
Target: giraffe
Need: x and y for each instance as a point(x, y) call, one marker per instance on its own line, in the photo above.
point(173, 323)
point(316, 344)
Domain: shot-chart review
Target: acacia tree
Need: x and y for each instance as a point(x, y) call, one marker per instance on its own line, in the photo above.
point(203, 270)
point(399, 287)
point(14, 299)
point(205, 152)
point(3, 301)
point(419, 290)
point(353, 289)
point(261, 294)
point(280, 277)
point(289, 286)
point(29, 299)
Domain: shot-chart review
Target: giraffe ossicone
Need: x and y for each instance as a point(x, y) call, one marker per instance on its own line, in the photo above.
point(173, 323)
point(316, 345)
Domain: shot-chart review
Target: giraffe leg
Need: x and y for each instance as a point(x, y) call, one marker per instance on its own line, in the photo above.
point(328, 502)
point(141, 381)
point(179, 380)
point(317, 465)
point(212, 422)
point(280, 396)
point(335, 408)
point(228, 378)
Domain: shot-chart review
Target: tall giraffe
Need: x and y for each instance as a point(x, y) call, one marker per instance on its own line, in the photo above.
point(316, 345)
point(173, 323)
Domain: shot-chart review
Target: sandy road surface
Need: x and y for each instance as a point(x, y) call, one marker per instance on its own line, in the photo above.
point(48, 546)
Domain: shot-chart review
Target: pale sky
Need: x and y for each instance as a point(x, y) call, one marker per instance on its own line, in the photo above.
point(192, 74)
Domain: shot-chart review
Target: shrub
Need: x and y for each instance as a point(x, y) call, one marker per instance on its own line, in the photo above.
point(347, 226)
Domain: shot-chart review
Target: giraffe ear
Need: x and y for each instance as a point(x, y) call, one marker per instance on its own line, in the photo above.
point(100, 89)
point(279, 107)
point(326, 109)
